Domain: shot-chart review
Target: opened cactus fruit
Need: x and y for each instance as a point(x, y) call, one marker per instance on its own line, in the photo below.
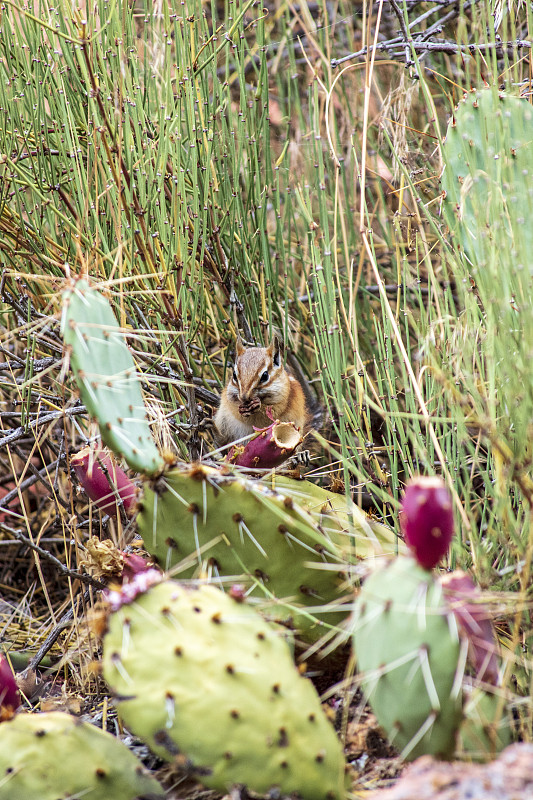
point(268, 448)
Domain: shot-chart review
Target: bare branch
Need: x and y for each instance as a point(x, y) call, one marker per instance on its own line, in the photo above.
point(69, 573)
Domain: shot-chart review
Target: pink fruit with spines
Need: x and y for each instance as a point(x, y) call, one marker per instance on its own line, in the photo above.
point(426, 519)
point(9, 692)
point(98, 473)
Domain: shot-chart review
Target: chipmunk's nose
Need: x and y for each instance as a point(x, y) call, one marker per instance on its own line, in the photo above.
point(246, 392)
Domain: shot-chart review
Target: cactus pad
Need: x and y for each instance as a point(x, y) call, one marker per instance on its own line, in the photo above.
point(488, 177)
point(368, 537)
point(209, 684)
point(106, 376)
point(54, 755)
point(407, 647)
point(217, 524)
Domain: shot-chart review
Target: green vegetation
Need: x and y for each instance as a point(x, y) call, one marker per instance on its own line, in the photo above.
point(217, 167)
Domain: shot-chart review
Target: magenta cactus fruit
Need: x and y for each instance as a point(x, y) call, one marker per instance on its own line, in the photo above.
point(269, 448)
point(475, 624)
point(426, 519)
point(98, 473)
point(9, 693)
point(137, 577)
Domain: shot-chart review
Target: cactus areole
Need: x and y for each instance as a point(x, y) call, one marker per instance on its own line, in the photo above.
point(426, 519)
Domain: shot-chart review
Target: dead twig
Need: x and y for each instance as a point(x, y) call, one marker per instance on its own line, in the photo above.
point(20, 432)
point(83, 577)
point(52, 637)
point(410, 41)
point(435, 47)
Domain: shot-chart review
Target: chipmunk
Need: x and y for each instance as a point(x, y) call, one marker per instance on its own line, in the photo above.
point(259, 382)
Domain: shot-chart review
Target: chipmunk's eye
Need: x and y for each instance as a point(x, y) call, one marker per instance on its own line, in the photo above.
point(235, 375)
point(264, 377)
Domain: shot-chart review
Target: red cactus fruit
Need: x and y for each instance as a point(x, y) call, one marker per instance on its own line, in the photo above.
point(269, 448)
point(137, 577)
point(426, 519)
point(464, 598)
point(9, 693)
point(133, 564)
point(91, 467)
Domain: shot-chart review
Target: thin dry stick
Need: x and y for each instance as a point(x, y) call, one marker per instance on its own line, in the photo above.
point(368, 88)
point(19, 433)
point(52, 637)
point(83, 577)
point(405, 32)
point(41, 475)
point(440, 46)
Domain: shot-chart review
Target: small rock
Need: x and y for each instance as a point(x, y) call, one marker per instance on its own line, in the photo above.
point(509, 777)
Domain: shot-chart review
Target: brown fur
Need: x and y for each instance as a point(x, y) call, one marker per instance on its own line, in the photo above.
point(244, 401)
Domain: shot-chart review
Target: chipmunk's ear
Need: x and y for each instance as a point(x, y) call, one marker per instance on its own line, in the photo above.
point(275, 349)
point(239, 347)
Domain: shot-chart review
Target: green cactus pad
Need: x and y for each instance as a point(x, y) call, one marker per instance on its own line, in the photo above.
point(369, 537)
point(209, 684)
point(407, 647)
point(106, 376)
point(53, 756)
point(219, 525)
point(488, 177)
point(486, 728)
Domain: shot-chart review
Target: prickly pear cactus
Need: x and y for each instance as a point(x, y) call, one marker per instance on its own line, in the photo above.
point(206, 682)
point(219, 525)
point(328, 509)
point(407, 648)
point(106, 376)
point(488, 177)
point(53, 755)
point(486, 728)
